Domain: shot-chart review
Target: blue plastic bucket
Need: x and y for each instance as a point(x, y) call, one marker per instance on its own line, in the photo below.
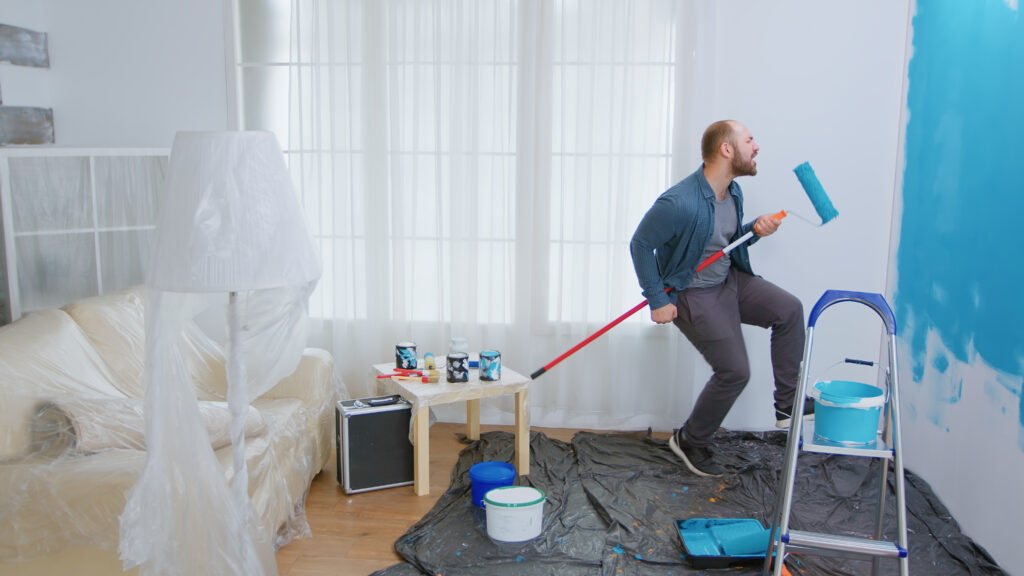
point(486, 476)
point(847, 412)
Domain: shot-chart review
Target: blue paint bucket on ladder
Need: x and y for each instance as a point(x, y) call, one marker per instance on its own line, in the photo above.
point(486, 476)
point(847, 412)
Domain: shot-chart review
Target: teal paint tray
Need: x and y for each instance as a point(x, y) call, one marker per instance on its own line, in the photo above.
point(722, 542)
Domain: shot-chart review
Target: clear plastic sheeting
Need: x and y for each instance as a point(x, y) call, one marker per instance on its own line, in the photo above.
point(81, 221)
point(229, 223)
point(74, 437)
point(613, 501)
point(91, 425)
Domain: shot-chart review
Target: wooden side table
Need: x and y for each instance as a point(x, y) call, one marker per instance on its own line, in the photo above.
point(424, 395)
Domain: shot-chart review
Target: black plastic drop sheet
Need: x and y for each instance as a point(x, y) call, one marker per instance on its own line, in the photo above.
point(613, 501)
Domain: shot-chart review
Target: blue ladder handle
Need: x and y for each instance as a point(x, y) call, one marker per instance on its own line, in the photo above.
point(874, 301)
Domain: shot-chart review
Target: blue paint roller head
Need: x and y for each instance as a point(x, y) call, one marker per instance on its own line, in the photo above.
point(822, 205)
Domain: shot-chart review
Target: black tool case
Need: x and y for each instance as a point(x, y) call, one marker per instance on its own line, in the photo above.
point(373, 447)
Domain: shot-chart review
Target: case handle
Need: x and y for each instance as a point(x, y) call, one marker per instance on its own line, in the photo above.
point(384, 400)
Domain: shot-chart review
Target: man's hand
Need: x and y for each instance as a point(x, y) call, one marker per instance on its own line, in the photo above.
point(665, 314)
point(766, 225)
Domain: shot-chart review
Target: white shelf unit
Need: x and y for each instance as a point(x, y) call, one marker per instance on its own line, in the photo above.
point(76, 222)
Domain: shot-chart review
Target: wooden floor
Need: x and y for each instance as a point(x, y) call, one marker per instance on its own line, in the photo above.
point(355, 534)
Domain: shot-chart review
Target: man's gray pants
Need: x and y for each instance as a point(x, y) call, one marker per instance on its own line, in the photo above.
point(711, 318)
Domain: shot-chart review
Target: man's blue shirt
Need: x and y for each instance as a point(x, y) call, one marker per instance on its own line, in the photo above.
point(668, 243)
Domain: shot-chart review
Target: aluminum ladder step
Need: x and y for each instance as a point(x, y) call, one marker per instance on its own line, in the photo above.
point(844, 544)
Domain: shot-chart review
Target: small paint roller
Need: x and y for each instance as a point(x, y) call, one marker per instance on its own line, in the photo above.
point(822, 205)
point(743, 540)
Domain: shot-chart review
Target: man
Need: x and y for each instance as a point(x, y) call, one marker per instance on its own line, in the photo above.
point(688, 223)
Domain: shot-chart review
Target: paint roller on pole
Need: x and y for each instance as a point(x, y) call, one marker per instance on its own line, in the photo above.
point(635, 309)
point(822, 205)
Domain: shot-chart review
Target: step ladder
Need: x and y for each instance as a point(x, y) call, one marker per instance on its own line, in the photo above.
point(886, 448)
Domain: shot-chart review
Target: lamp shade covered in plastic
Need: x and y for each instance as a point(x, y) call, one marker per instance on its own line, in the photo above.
point(229, 219)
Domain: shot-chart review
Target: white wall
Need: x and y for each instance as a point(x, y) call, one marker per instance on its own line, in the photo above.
point(809, 90)
point(833, 95)
point(963, 418)
point(123, 73)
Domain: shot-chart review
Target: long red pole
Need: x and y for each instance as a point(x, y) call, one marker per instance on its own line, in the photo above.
point(641, 305)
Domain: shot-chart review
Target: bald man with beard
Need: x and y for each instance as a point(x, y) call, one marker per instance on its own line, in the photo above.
point(688, 223)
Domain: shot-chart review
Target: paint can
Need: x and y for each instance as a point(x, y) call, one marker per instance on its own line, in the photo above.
point(458, 367)
point(405, 355)
point(847, 412)
point(490, 365)
point(486, 476)
point(514, 513)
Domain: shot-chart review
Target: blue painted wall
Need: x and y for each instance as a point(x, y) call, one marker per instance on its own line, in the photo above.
point(959, 260)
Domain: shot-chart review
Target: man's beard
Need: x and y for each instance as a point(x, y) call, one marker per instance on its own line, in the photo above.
point(743, 168)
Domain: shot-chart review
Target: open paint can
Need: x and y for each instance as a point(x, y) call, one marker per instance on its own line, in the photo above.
point(458, 367)
point(847, 412)
point(514, 513)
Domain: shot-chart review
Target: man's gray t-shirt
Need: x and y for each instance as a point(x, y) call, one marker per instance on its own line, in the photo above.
point(725, 228)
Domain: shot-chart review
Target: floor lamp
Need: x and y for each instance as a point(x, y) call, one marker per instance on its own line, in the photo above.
point(229, 222)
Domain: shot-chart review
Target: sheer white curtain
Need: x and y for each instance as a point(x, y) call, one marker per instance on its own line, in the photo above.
point(476, 168)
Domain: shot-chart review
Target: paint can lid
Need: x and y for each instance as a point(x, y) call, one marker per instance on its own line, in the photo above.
point(514, 496)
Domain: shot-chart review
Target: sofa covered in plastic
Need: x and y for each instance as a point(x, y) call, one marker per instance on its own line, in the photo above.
point(72, 432)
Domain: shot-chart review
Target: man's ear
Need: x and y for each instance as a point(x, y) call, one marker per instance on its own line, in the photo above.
point(725, 149)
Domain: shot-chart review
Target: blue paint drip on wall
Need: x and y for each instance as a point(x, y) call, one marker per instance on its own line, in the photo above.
point(959, 262)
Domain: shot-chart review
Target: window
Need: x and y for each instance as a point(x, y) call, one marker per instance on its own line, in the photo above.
point(467, 160)
point(613, 94)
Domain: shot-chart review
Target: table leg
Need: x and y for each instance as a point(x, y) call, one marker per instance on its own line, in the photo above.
point(523, 432)
point(421, 439)
point(473, 419)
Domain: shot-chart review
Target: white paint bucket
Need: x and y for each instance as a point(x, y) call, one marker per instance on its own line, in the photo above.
point(514, 513)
